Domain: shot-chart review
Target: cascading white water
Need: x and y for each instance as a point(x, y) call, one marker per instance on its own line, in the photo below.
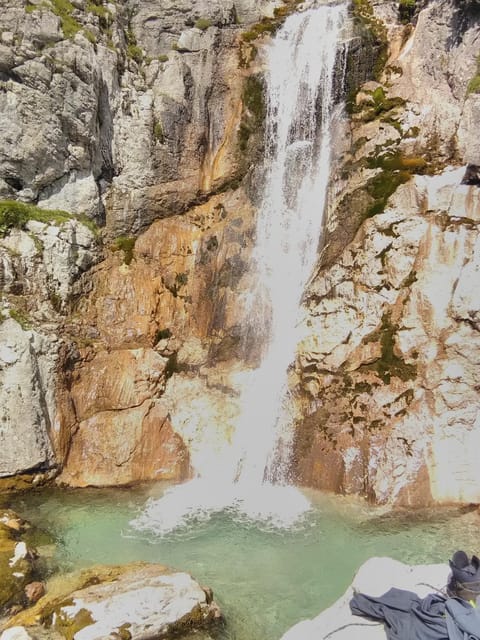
point(300, 67)
point(299, 96)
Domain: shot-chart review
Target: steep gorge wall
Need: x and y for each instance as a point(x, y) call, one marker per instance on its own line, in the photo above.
point(387, 373)
point(125, 115)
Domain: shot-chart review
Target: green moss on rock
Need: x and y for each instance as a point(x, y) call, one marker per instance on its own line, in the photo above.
point(253, 114)
point(127, 245)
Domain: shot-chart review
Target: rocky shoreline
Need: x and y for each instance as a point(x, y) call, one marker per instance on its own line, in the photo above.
point(134, 601)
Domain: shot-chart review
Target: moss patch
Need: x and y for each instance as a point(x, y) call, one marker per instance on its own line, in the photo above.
point(396, 169)
point(253, 114)
point(406, 10)
point(203, 24)
point(127, 245)
point(364, 16)
point(389, 364)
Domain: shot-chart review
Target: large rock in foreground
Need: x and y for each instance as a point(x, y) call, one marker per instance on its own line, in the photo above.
point(375, 577)
point(137, 601)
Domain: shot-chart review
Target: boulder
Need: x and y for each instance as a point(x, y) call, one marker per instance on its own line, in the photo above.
point(375, 577)
point(135, 601)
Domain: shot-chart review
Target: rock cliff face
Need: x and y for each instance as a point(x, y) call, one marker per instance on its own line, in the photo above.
point(121, 349)
point(121, 114)
point(389, 360)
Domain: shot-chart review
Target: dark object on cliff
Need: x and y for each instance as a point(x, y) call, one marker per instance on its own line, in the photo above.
point(472, 175)
point(464, 581)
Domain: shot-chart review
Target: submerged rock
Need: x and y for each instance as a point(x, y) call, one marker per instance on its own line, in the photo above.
point(136, 601)
point(375, 577)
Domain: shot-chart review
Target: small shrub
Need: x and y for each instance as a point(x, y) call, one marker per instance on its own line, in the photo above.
point(158, 132)
point(127, 245)
point(135, 53)
point(64, 10)
point(163, 58)
point(203, 24)
point(406, 10)
point(99, 10)
point(21, 317)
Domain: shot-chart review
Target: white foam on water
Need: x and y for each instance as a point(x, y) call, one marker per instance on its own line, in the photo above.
point(274, 506)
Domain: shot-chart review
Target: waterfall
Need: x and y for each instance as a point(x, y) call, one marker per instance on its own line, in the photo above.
point(299, 95)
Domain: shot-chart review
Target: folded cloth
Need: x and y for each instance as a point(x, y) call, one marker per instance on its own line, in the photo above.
point(405, 615)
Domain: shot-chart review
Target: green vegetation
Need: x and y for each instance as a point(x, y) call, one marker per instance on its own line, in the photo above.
point(270, 25)
point(100, 11)
point(133, 50)
point(21, 317)
point(364, 14)
point(253, 110)
point(90, 36)
point(474, 84)
point(406, 10)
point(395, 161)
point(127, 245)
point(55, 301)
point(376, 105)
point(390, 364)
point(64, 10)
point(267, 25)
point(135, 53)
point(158, 132)
point(15, 214)
point(163, 57)
point(396, 169)
point(203, 24)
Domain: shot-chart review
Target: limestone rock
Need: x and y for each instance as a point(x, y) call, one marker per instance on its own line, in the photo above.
point(15, 633)
point(375, 577)
point(385, 385)
point(28, 362)
point(145, 600)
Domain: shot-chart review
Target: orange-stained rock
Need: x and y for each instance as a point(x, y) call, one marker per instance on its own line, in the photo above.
point(34, 591)
point(117, 380)
point(173, 308)
point(115, 448)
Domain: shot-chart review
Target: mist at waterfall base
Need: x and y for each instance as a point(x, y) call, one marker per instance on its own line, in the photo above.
point(251, 479)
